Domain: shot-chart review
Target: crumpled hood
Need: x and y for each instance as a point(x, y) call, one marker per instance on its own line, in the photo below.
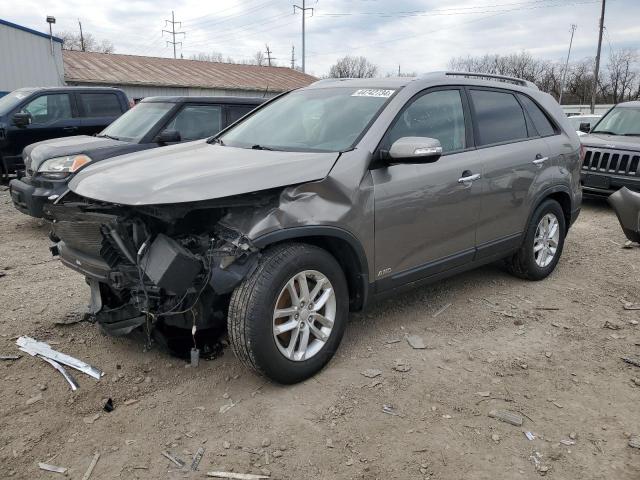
point(615, 142)
point(37, 153)
point(196, 171)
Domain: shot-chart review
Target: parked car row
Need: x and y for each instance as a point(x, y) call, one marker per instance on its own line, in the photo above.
point(311, 205)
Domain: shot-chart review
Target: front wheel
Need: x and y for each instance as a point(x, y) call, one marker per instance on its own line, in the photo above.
point(543, 243)
point(287, 318)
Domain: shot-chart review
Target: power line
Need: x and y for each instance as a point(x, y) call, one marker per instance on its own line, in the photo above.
point(173, 32)
point(303, 9)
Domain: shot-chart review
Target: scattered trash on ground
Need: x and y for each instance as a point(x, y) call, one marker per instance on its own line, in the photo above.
point(34, 399)
point(611, 325)
point(507, 417)
point(401, 366)
point(567, 443)
point(416, 342)
point(631, 306)
point(173, 459)
point(371, 372)
point(196, 459)
point(52, 468)
point(225, 408)
point(92, 465)
point(10, 357)
point(108, 406)
point(390, 410)
point(236, 476)
point(44, 351)
point(632, 361)
point(442, 310)
point(529, 435)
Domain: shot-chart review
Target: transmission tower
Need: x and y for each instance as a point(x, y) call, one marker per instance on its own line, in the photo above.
point(173, 32)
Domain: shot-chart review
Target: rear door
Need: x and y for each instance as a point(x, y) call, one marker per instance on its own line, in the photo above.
point(98, 110)
point(195, 121)
point(52, 116)
point(425, 214)
point(516, 162)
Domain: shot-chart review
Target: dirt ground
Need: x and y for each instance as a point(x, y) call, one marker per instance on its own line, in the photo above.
point(540, 349)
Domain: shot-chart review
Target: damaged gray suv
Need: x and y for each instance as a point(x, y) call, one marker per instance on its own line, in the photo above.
point(319, 201)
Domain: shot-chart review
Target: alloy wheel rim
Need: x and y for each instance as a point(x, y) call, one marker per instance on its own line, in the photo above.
point(545, 244)
point(304, 315)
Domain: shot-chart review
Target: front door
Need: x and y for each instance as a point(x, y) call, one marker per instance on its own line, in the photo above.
point(425, 215)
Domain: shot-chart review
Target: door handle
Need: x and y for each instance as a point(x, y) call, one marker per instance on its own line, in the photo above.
point(540, 160)
point(469, 178)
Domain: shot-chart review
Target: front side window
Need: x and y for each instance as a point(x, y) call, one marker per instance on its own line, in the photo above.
point(100, 104)
point(438, 115)
point(620, 121)
point(319, 120)
point(498, 116)
point(197, 121)
point(48, 108)
point(137, 122)
point(11, 100)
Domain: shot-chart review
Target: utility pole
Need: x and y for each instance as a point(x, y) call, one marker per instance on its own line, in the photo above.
point(303, 9)
point(566, 64)
point(269, 58)
point(173, 32)
point(293, 57)
point(597, 70)
point(81, 37)
point(51, 20)
point(398, 69)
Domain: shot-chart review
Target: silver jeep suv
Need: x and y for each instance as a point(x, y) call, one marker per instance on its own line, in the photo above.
point(318, 201)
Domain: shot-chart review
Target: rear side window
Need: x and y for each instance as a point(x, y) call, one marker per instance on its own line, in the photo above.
point(499, 117)
point(197, 121)
point(236, 112)
point(100, 104)
point(540, 120)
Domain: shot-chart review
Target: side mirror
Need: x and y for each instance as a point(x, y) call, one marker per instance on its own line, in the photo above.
point(415, 150)
point(167, 136)
point(21, 119)
point(585, 127)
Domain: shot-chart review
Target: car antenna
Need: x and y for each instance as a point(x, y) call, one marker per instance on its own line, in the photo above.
point(264, 95)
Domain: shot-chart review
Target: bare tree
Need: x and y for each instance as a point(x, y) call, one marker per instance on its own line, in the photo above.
point(353, 67)
point(621, 73)
point(87, 43)
point(210, 57)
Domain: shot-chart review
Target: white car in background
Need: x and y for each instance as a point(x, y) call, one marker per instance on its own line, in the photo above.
point(583, 123)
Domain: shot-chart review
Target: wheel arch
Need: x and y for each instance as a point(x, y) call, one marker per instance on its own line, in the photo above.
point(343, 245)
point(559, 193)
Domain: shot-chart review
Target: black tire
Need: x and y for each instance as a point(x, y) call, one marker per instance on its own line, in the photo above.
point(523, 264)
point(252, 305)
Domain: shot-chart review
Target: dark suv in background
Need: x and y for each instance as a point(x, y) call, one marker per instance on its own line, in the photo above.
point(154, 122)
point(612, 152)
point(29, 115)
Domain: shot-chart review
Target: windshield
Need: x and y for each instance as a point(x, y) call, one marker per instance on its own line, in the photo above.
point(137, 122)
point(620, 121)
point(11, 100)
point(318, 120)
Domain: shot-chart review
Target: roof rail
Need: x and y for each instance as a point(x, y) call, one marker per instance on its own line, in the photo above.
point(491, 76)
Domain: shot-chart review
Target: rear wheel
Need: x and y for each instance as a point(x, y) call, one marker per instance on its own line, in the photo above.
point(543, 243)
point(287, 318)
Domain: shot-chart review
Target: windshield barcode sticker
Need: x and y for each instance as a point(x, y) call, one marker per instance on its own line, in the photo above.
point(372, 92)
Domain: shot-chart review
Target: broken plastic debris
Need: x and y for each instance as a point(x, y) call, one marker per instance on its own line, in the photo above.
point(529, 435)
point(108, 406)
point(236, 476)
point(34, 347)
point(196, 459)
point(67, 376)
point(92, 465)
point(371, 372)
point(631, 361)
point(507, 417)
point(416, 342)
point(390, 410)
point(52, 468)
point(173, 459)
point(10, 357)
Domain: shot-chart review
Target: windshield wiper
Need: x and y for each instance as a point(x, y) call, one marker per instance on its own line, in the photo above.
point(108, 136)
point(606, 132)
point(216, 140)
point(631, 134)
point(260, 147)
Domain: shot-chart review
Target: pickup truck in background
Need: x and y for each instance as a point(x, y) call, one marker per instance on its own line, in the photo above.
point(30, 115)
point(154, 122)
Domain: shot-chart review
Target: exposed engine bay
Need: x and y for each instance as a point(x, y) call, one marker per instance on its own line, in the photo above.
point(156, 267)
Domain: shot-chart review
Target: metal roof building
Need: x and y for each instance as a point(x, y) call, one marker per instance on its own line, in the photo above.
point(142, 76)
point(27, 58)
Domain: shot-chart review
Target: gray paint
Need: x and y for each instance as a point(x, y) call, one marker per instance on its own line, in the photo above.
point(27, 61)
point(422, 213)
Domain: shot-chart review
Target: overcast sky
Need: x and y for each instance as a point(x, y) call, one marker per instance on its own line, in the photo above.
point(418, 35)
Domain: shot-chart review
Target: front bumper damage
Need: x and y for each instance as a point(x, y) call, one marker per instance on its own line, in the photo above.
point(162, 266)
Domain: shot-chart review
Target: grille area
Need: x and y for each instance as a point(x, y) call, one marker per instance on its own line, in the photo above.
point(82, 236)
point(617, 162)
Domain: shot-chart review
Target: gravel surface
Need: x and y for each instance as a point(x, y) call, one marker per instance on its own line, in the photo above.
point(381, 409)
